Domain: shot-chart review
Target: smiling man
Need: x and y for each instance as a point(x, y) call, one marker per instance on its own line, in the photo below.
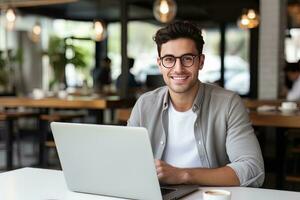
point(200, 133)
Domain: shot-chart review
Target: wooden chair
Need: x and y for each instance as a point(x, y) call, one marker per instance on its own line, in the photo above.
point(122, 115)
point(293, 177)
point(46, 140)
point(295, 154)
point(10, 118)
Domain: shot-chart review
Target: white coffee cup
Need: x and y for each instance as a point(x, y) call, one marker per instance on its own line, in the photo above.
point(216, 195)
point(62, 94)
point(288, 105)
point(38, 93)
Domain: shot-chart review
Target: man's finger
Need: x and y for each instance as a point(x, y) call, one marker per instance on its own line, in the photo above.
point(158, 163)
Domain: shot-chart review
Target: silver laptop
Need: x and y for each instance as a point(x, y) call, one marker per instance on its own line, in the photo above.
point(112, 161)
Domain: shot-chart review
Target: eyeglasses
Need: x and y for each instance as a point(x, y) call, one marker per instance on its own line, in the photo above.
point(169, 61)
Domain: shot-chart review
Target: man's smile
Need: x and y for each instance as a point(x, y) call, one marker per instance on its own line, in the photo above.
point(179, 77)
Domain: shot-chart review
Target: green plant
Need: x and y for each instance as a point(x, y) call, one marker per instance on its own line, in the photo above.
point(3, 73)
point(7, 64)
point(57, 56)
point(79, 58)
point(57, 59)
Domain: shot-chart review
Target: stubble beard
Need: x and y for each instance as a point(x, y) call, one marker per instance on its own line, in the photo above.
point(181, 89)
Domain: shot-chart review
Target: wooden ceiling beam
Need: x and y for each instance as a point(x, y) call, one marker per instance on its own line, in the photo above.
point(30, 3)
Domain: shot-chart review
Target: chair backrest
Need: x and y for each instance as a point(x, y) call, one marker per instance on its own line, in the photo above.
point(123, 115)
point(154, 81)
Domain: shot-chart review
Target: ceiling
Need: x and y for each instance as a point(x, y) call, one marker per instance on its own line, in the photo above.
point(109, 10)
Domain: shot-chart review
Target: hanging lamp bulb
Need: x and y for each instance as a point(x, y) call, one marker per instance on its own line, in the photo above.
point(243, 22)
point(11, 17)
point(36, 32)
point(164, 10)
point(249, 19)
point(100, 30)
point(251, 14)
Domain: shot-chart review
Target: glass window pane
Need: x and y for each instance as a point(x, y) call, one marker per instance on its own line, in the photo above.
point(292, 45)
point(143, 49)
point(114, 48)
point(211, 70)
point(80, 51)
point(237, 73)
point(140, 46)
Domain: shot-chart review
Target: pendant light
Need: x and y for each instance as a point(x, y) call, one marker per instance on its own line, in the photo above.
point(164, 10)
point(99, 30)
point(36, 32)
point(249, 19)
point(10, 17)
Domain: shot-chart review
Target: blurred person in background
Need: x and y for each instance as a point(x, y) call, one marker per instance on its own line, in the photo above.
point(102, 75)
point(132, 83)
point(292, 73)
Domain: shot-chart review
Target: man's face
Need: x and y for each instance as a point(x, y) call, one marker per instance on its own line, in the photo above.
point(292, 76)
point(181, 79)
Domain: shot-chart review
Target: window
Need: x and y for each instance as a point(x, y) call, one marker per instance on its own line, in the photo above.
point(140, 46)
point(143, 49)
point(211, 70)
point(237, 72)
point(292, 45)
point(80, 50)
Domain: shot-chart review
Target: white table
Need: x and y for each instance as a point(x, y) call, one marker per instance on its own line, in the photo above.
point(43, 184)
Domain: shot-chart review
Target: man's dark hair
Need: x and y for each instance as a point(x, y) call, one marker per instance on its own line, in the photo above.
point(179, 29)
point(292, 67)
point(130, 63)
point(107, 60)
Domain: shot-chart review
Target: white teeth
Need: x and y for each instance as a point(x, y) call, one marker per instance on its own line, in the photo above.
point(179, 77)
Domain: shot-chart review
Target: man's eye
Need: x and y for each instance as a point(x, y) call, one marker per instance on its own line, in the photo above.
point(187, 58)
point(168, 59)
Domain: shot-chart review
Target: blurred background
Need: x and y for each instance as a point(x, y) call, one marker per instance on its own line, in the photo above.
point(76, 60)
point(59, 44)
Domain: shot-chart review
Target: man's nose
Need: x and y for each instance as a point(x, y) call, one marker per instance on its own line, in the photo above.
point(178, 66)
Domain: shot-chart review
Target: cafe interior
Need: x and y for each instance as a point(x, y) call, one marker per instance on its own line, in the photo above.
point(52, 53)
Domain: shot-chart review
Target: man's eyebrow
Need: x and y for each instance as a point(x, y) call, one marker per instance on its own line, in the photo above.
point(188, 54)
point(168, 55)
point(180, 55)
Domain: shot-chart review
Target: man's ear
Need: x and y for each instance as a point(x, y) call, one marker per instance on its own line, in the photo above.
point(159, 64)
point(201, 61)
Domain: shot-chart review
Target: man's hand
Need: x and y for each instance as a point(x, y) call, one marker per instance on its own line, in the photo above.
point(168, 174)
point(222, 176)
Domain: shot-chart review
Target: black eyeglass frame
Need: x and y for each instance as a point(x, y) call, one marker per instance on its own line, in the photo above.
point(180, 58)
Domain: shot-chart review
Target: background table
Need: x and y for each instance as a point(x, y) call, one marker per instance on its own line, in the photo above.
point(281, 121)
point(275, 119)
point(255, 103)
point(67, 103)
point(91, 103)
point(41, 184)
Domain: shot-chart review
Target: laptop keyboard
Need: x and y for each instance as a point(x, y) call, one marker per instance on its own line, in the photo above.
point(165, 191)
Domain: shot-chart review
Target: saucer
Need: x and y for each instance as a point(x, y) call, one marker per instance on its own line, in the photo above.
point(266, 108)
point(287, 110)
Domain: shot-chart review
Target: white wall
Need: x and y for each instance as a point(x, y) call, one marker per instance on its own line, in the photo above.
point(271, 47)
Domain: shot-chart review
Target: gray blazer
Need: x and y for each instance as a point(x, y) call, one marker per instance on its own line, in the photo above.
point(222, 129)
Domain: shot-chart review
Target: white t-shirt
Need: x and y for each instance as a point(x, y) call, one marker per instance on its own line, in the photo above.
point(181, 148)
point(294, 93)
